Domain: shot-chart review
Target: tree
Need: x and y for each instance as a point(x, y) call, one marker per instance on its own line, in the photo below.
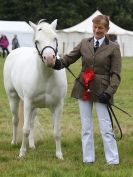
point(67, 12)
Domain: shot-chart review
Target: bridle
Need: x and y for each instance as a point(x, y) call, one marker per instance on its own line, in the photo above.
point(41, 52)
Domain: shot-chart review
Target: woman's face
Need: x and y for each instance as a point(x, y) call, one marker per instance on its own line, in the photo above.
point(99, 29)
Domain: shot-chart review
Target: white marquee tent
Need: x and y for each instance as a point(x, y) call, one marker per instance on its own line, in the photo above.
point(69, 37)
point(21, 28)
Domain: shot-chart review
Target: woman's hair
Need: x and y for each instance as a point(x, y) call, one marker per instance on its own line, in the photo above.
point(100, 18)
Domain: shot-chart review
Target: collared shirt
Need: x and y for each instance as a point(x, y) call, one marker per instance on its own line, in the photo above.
point(100, 41)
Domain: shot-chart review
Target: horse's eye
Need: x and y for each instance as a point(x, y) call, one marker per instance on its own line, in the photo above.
point(40, 29)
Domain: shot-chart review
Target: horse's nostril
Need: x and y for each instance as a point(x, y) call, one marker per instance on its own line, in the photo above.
point(53, 56)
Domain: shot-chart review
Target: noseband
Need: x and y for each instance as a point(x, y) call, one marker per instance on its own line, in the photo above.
point(40, 53)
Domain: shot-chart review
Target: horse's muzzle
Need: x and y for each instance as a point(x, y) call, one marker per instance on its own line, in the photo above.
point(49, 59)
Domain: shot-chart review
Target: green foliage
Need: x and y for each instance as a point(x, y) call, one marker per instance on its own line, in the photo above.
point(67, 12)
point(42, 162)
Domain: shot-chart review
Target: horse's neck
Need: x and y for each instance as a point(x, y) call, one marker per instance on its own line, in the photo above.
point(46, 71)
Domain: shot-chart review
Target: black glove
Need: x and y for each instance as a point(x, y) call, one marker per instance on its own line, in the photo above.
point(104, 98)
point(57, 65)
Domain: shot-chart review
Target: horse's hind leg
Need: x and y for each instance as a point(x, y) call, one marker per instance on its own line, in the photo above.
point(57, 135)
point(14, 103)
point(31, 135)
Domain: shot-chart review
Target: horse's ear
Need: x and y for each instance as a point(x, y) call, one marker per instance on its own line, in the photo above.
point(32, 25)
point(54, 24)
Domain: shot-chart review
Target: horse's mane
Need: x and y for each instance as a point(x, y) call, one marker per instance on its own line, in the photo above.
point(45, 26)
point(42, 20)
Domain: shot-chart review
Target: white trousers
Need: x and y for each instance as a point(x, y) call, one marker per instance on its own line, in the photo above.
point(110, 146)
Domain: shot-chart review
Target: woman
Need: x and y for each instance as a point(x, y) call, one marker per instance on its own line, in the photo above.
point(15, 43)
point(4, 43)
point(100, 72)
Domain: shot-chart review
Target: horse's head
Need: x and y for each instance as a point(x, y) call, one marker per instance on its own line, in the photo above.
point(45, 39)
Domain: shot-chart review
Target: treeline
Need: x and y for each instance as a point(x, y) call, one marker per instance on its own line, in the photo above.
point(68, 12)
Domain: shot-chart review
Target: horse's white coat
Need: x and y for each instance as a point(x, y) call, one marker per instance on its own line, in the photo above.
point(29, 79)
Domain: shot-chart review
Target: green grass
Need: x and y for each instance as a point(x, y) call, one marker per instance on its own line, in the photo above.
point(42, 162)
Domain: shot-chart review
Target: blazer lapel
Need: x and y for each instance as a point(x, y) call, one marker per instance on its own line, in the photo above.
point(91, 45)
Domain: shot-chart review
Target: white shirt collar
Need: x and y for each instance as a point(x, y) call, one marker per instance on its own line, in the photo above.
point(99, 40)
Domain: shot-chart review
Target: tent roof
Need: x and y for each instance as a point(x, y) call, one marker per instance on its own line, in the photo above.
point(86, 27)
point(15, 26)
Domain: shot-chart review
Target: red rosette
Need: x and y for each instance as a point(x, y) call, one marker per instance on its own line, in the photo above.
point(88, 76)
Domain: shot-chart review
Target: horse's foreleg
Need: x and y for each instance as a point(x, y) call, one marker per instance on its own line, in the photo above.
point(28, 110)
point(31, 135)
point(14, 102)
point(57, 134)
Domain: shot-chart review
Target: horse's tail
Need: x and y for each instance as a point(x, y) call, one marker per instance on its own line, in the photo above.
point(38, 129)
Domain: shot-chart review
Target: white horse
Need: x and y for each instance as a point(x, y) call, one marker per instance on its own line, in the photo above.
point(28, 76)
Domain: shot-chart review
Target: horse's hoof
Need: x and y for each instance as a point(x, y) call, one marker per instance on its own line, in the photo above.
point(19, 158)
point(59, 156)
point(13, 142)
point(22, 153)
point(32, 147)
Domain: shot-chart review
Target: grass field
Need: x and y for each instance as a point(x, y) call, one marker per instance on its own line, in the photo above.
point(42, 162)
